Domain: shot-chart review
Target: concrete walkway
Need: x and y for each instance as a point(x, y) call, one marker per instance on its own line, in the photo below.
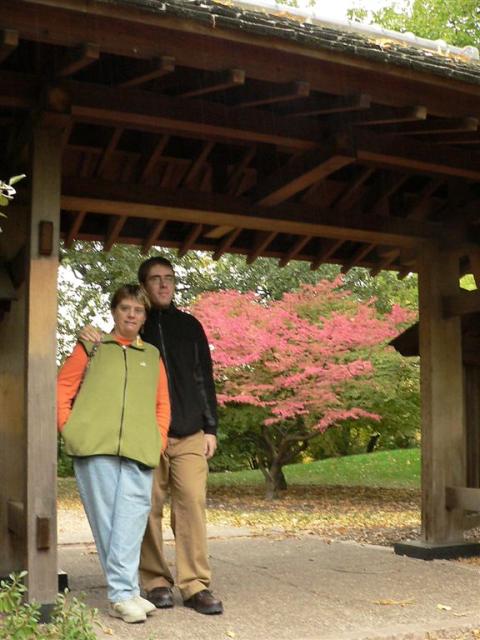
point(277, 588)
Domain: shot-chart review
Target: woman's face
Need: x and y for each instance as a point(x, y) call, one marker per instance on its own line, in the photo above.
point(128, 316)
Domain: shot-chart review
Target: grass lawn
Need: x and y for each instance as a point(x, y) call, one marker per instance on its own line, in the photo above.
point(389, 469)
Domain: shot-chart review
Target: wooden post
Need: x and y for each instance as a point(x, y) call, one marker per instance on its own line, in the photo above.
point(443, 410)
point(40, 367)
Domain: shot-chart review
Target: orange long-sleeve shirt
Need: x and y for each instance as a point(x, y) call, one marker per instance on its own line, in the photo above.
point(71, 375)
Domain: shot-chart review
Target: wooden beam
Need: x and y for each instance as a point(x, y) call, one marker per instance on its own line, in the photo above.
point(294, 250)
point(391, 151)
point(357, 257)
point(190, 239)
point(141, 201)
point(300, 173)
point(346, 198)
point(74, 228)
point(197, 164)
point(465, 498)
point(328, 249)
point(160, 67)
point(388, 115)
point(154, 158)
point(435, 126)
point(115, 226)
point(461, 303)
point(147, 111)
point(153, 235)
point(226, 243)
point(78, 58)
point(218, 232)
point(417, 210)
point(327, 105)
point(107, 154)
point(238, 171)
point(274, 94)
point(216, 82)
point(262, 241)
point(8, 43)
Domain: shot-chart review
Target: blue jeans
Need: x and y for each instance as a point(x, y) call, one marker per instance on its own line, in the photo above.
point(116, 494)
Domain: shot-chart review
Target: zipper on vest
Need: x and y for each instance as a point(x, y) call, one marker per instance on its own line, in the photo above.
point(124, 396)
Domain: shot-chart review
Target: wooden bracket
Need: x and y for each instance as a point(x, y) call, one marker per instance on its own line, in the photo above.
point(45, 237)
point(16, 518)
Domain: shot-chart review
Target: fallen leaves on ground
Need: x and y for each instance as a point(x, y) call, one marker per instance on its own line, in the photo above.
point(364, 514)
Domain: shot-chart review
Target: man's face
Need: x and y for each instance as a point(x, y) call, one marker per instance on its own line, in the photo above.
point(160, 285)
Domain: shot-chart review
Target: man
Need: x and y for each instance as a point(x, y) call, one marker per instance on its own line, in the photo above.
point(192, 441)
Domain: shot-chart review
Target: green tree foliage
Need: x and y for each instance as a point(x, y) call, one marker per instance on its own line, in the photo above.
point(455, 21)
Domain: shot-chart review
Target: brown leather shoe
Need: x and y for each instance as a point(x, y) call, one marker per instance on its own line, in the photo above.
point(161, 597)
point(204, 602)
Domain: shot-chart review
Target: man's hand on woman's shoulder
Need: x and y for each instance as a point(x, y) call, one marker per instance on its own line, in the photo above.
point(90, 334)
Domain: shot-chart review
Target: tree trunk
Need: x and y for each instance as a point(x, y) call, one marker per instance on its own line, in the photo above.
point(275, 482)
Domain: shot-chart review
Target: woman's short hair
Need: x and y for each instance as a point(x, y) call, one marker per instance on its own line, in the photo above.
point(135, 291)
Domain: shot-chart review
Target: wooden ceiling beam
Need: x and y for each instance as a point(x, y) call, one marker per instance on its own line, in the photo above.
point(74, 228)
point(218, 232)
point(235, 176)
point(141, 201)
point(346, 198)
point(116, 224)
point(273, 94)
point(152, 161)
point(328, 249)
point(153, 235)
point(327, 105)
point(433, 127)
point(357, 257)
point(417, 210)
point(160, 67)
point(262, 240)
point(418, 157)
point(388, 115)
point(78, 58)
point(112, 145)
point(190, 240)
point(197, 164)
point(220, 81)
point(294, 250)
point(8, 43)
point(301, 172)
point(147, 111)
point(226, 243)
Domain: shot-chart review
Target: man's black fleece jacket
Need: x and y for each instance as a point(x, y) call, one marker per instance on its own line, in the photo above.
point(181, 340)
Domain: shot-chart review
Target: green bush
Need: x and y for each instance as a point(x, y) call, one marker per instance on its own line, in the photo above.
point(71, 618)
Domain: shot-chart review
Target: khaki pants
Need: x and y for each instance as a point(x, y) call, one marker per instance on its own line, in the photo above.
point(183, 470)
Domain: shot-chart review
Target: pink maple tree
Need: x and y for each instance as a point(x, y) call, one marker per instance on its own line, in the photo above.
point(292, 358)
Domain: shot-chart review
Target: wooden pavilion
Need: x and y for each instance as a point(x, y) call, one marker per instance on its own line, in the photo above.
point(217, 126)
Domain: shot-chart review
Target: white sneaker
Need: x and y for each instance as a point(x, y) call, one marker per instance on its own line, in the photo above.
point(128, 610)
point(146, 605)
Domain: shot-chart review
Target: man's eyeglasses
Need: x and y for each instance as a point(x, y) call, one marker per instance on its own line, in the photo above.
point(169, 279)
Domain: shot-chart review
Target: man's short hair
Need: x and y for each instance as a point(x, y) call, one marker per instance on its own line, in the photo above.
point(144, 268)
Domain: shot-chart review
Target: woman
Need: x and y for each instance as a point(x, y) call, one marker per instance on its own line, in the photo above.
point(113, 413)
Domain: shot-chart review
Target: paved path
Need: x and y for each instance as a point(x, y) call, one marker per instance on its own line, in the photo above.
point(277, 588)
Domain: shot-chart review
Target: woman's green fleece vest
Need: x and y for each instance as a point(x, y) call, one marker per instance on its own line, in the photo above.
point(115, 410)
